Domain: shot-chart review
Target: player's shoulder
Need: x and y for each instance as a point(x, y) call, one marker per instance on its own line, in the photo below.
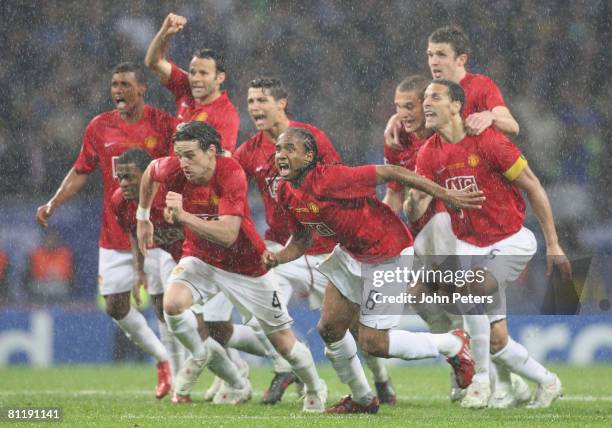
point(165, 165)
point(157, 113)
point(226, 103)
point(103, 119)
point(228, 166)
point(316, 132)
point(251, 142)
point(477, 80)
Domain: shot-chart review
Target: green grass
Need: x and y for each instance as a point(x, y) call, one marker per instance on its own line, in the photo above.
point(122, 396)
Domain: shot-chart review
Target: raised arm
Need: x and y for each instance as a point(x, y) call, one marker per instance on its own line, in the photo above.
point(71, 185)
point(155, 59)
point(529, 183)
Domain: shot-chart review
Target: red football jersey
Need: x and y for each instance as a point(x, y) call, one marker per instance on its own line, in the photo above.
point(220, 114)
point(481, 93)
point(105, 139)
point(340, 202)
point(224, 194)
point(256, 156)
point(489, 162)
point(168, 237)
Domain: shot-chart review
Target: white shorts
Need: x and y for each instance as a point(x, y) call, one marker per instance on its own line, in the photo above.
point(158, 267)
point(300, 276)
point(436, 241)
point(345, 273)
point(219, 308)
point(505, 260)
point(253, 296)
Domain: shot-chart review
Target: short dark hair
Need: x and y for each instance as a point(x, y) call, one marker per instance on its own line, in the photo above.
point(273, 85)
point(205, 134)
point(137, 156)
point(415, 82)
point(309, 141)
point(455, 91)
point(130, 67)
point(214, 55)
point(454, 36)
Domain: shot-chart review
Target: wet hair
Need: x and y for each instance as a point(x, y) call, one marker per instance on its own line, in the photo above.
point(454, 36)
point(138, 157)
point(455, 91)
point(205, 134)
point(214, 55)
point(415, 83)
point(130, 67)
point(273, 85)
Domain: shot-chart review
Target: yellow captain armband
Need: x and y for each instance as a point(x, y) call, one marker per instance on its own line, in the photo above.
point(517, 167)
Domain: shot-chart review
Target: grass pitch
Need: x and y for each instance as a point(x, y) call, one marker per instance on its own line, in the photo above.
point(123, 396)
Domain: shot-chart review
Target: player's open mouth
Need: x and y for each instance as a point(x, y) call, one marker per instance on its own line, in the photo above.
point(284, 169)
point(120, 102)
point(429, 114)
point(259, 119)
point(436, 73)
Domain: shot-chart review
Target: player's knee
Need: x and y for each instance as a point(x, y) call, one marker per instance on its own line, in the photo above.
point(116, 308)
point(329, 332)
point(173, 306)
point(498, 341)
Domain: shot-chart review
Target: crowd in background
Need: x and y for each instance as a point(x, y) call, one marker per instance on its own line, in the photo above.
point(340, 61)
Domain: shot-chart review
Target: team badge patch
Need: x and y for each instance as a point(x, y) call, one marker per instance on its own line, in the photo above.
point(150, 142)
point(201, 117)
point(473, 160)
point(314, 208)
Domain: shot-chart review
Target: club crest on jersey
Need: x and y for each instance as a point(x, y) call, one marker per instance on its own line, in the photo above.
point(314, 208)
point(473, 160)
point(150, 142)
point(462, 182)
point(201, 117)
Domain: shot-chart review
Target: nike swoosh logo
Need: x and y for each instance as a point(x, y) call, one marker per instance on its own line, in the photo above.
point(107, 145)
point(278, 316)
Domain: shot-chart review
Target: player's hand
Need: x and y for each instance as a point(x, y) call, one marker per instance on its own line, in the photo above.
point(173, 24)
point(556, 257)
point(269, 259)
point(174, 202)
point(144, 233)
point(43, 213)
point(476, 123)
point(464, 199)
point(140, 280)
point(392, 131)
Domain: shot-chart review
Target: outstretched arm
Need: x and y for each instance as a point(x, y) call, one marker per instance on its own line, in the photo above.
point(71, 185)
point(529, 183)
point(455, 198)
point(155, 59)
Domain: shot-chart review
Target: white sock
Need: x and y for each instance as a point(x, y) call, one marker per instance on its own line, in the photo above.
point(343, 357)
point(377, 366)
point(136, 328)
point(245, 340)
point(516, 358)
point(279, 364)
point(176, 351)
point(415, 346)
point(303, 366)
point(220, 364)
point(479, 329)
point(185, 328)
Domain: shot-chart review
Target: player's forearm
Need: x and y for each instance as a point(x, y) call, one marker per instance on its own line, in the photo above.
point(155, 58)
point(541, 208)
point(138, 258)
point(416, 204)
point(296, 247)
point(387, 173)
point(394, 199)
point(71, 185)
point(505, 123)
point(148, 189)
point(221, 232)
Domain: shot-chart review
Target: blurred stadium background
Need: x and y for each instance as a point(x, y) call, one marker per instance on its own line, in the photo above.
point(341, 62)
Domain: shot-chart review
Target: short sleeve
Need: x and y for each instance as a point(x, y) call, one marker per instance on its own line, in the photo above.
point(234, 189)
point(492, 96)
point(178, 82)
point(88, 158)
point(503, 155)
point(166, 171)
